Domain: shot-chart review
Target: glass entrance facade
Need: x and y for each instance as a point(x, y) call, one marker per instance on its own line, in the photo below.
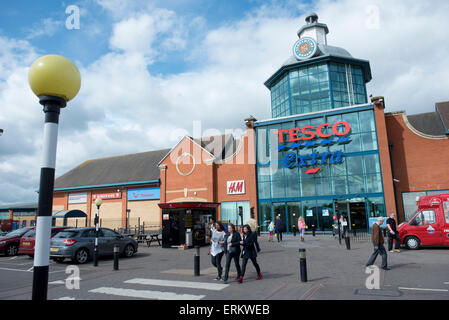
point(317, 165)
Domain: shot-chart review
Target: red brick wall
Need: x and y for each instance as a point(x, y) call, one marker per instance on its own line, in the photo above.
point(420, 163)
point(209, 180)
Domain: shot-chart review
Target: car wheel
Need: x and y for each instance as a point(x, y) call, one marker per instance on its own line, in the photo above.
point(412, 243)
point(12, 250)
point(31, 255)
point(129, 251)
point(81, 256)
point(58, 260)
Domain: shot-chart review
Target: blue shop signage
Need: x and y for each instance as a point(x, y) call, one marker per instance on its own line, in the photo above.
point(144, 194)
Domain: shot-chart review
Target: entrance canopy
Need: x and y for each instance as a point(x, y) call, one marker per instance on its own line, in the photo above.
point(69, 214)
point(66, 214)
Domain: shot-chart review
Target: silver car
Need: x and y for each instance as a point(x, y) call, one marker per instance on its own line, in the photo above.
point(78, 244)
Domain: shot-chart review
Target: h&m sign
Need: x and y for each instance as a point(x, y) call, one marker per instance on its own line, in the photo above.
point(236, 187)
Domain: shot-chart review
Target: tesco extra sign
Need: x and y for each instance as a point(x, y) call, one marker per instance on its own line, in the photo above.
point(236, 187)
point(310, 137)
point(309, 132)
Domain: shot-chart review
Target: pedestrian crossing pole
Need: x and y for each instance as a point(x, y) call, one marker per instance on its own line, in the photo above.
point(55, 80)
point(98, 203)
point(52, 106)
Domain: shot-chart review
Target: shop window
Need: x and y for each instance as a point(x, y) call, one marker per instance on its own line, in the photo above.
point(265, 216)
point(229, 211)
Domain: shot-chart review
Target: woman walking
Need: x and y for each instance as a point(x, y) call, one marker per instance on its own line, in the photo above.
point(249, 252)
point(301, 227)
point(216, 248)
point(271, 230)
point(231, 246)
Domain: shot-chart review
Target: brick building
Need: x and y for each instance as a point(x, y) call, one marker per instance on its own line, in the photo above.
point(419, 147)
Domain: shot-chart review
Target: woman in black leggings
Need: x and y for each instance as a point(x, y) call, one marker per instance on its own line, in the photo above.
point(231, 246)
point(249, 252)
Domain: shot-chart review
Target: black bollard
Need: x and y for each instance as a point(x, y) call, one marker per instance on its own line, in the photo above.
point(302, 265)
point(347, 241)
point(313, 230)
point(196, 261)
point(116, 255)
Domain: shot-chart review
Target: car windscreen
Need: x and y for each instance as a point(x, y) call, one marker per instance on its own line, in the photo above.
point(66, 234)
point(17, 232)
point(30, 234)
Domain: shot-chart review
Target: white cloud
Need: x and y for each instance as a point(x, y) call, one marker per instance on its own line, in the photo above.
point(143, 33)
point(46, 27)
point(124, 108)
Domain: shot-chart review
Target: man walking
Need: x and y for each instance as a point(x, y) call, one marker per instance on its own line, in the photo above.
point(253, 225)
point(393, 234)
point(378, 242)
point(279, 227)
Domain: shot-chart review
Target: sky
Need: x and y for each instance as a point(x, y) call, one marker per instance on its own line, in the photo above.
point(154, 71)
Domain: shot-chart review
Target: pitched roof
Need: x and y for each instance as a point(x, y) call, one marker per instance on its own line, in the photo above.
point(17, 206)
point(428, 123)
point(220, 146)
point(442, 109)
point(114, 170)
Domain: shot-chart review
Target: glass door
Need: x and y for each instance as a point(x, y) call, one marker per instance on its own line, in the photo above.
point(325, 213)
point(279, 210)
point(294, 212)
point(309, 212)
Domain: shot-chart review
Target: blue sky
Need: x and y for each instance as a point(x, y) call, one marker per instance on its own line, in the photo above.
point(153, 70)
point(42, 23)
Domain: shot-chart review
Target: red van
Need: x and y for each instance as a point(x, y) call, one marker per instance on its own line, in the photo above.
point(28, 240)
point(430, 225)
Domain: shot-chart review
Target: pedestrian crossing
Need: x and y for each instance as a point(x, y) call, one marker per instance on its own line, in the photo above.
point(141, 291)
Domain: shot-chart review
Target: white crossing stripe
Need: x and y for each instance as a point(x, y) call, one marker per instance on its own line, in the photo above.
point(57, 282)
point(146, 294)
point(179, 284)
point(422, 289)
point(66, 298)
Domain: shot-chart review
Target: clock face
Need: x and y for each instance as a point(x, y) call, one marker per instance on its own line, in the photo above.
point(304, 48)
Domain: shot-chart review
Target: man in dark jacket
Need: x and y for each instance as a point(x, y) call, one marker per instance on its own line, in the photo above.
point(278, 227)
point(393, 234)
point(378, 242)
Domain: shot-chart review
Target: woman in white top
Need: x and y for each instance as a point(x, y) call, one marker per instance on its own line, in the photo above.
point(216, 248)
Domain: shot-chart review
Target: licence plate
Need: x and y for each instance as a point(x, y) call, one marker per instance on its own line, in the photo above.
point(26, 243)
point(54, 249)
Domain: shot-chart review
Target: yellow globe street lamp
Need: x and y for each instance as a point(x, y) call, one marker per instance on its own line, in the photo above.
point(98, 203)
point(55, 80)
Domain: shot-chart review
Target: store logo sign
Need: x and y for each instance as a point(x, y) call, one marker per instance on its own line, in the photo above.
point(236, 187)
point(112, 195)
point(144, 194)
point(307, 137)
point(78, 197)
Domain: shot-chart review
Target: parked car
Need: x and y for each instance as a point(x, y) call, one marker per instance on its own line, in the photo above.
point(430, 224)
point(28, 240)
point(9, 243)
point(78, 244)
